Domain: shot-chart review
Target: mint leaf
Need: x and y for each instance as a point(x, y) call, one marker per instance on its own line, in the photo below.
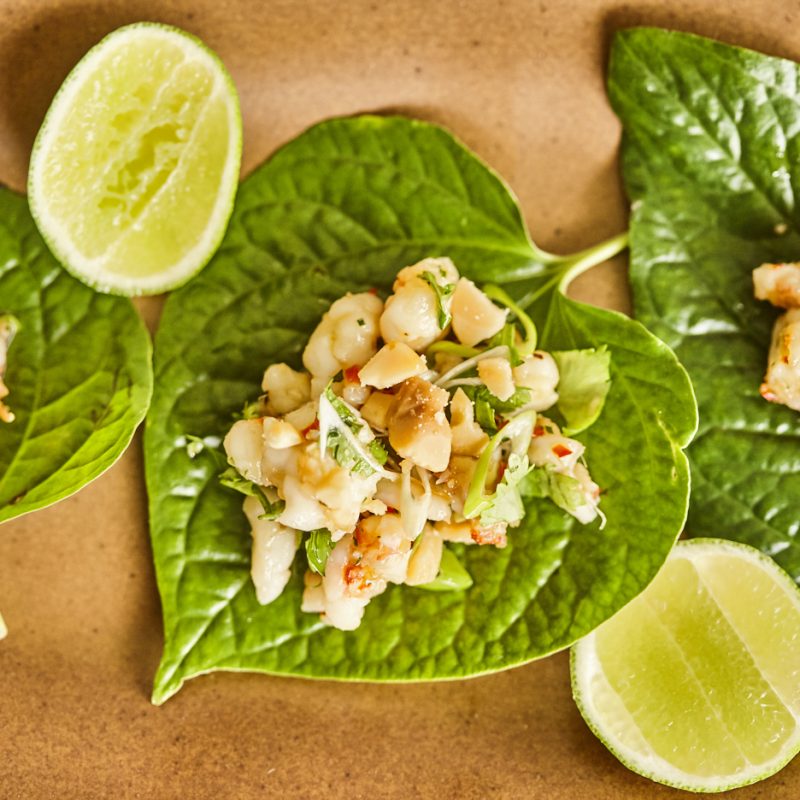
point(78, 372)
point(343, 208)
point(231, 479)
point(442, 292)
point(318, 546)
point(584, 381)
point(708, 161)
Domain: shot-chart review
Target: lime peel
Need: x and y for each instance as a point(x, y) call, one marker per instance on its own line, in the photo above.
point(653, 692)
point(134, 171)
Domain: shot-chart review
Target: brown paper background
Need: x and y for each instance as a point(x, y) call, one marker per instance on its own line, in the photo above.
point(521, 82)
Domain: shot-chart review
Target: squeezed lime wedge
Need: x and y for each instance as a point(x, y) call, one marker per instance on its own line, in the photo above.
point(134, 171)
point(696, 682)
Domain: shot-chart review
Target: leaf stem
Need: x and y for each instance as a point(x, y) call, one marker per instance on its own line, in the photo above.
point(591, 257)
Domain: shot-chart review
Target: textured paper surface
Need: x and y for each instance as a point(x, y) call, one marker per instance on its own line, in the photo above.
point(522, 83)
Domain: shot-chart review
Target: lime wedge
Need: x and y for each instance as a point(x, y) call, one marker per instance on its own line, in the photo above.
point(696, 682)
point(134, 171)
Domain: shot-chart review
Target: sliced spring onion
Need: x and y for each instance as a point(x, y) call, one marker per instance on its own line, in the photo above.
point(414, 510)
point(528, 346)
point(453, 349)
point(518, 431)
point(471, 363)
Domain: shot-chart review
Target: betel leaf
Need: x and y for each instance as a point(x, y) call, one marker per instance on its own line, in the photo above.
point(710, 159)
point(78, 372)
point(343, 208)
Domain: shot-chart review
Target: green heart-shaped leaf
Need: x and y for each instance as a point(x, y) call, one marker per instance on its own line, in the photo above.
point(710, 158)
point(78, 372)
point(342, 208)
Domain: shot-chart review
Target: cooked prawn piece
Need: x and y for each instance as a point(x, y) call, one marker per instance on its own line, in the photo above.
point(475, 316)
point(538, 373)
point(8, 328)
point(286, 389)
point(778, 283)
point(782, 381)
point(347, 336)
point(274, 547)
point(359, 568)
point(412, 314)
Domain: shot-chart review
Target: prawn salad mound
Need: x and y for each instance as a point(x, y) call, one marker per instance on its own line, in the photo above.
point(346, 207)
point(417, 421)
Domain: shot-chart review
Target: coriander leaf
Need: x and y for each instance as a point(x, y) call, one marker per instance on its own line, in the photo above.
point(482, 394)
point(711, 133)
point(442, 292)
point(506, 502)
point(252, 410)
point(452, 577)
point(582, 386)
point(318, 546)
point(564, 490)
point(343, 208)
point(78, 372)
point(484, 410)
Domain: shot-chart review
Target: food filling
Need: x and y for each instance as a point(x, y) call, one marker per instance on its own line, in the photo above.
point(417, 422)
point(780, 285)
point(8, 328)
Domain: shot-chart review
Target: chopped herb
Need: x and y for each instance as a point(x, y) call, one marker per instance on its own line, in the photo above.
point(442, 292)
point(195, 446)
point(378, 451)
point(253, 410)
point(209, 445)
point(484, 413)
point(319, 545)
point(361, 323)
point(506, 502)
point(340, 429)
point(233, 480)
point(565, 491)
point(487, 405)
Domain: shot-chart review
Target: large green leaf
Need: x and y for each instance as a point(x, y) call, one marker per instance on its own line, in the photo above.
point(341, 208)
point(711, 162)
point(78, 369)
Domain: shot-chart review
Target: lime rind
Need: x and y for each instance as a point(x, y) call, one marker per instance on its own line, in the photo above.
point(201, 253)
point(585, 667)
